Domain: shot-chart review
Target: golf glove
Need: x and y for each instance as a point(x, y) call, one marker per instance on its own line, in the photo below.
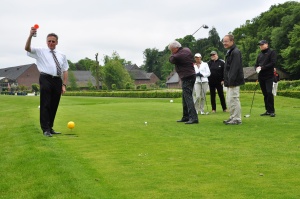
point(258, 69)
point(199, 74)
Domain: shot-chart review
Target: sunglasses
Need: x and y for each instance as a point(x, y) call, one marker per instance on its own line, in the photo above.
point(212, 54)
point(51, 41)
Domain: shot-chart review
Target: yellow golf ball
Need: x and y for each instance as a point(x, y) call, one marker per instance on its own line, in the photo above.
point(71, 125)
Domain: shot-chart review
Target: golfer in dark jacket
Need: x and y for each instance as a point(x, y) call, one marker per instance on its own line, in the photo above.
point(216, 80)
point(233, 78)
point(183, 60)
point(264, 66)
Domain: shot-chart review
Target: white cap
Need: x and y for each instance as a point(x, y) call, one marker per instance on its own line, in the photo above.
point(198, 55)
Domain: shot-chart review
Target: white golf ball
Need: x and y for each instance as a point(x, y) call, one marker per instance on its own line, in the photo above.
point(171, 101)
point(38, 106)
point(145, 123)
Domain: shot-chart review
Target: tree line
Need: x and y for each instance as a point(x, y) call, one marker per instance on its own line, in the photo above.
point(280, 26)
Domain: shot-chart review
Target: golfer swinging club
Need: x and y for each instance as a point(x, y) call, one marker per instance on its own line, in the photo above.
point(183, 60)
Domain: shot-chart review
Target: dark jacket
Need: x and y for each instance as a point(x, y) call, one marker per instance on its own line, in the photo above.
point(216, 71)
point(183, 60)
point(267, 60)
point(233, 71)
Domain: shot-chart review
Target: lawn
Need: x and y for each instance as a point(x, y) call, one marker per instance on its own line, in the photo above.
point(112, 153)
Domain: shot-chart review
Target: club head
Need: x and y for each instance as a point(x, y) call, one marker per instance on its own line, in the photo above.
point(206, 113)
point(248, 115)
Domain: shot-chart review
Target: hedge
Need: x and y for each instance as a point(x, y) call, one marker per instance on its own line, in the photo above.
point(285, 88)
point(133, 94)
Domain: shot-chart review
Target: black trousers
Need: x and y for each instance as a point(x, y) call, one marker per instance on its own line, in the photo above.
point(266, 88)
point(50, 93)
point(189, 111)
point(212, 89)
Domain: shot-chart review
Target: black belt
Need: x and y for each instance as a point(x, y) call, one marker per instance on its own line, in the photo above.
point(47, 75)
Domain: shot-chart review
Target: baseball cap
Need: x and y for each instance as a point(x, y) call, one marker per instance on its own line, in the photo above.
point(198, 55)
point(213, 53)
point(262, 42)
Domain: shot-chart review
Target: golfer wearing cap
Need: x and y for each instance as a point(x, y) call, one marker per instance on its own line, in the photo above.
point(216, 80)
point(264, 66)
point(201, 83)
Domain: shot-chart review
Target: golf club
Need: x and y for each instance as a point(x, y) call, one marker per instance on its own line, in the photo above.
point(248, 115)
point(203, 26)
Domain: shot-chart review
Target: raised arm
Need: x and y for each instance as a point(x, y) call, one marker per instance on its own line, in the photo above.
point(28, 42)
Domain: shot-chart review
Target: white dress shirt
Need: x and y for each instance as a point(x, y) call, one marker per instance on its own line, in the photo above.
point(45, 62)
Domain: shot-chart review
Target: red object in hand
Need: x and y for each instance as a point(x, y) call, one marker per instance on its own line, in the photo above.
point(36, 26)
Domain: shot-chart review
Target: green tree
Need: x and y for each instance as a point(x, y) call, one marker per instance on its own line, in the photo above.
point(90, 85)
point(115, 72)
point(72, 81)
point(84, 64)
point(35, 88)
point(71, 65)
point(97, 71)
point(115, 56)
point(188, 41)
point(152, 61)
point(292, 52)
point(275, 26)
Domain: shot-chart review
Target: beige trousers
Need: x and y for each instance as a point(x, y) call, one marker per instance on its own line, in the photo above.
point(200, 90)
point(234, 105)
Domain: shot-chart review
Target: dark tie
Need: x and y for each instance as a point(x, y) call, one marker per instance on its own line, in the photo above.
point(56, 63)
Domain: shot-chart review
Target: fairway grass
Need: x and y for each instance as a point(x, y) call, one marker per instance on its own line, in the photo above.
point(112, 153)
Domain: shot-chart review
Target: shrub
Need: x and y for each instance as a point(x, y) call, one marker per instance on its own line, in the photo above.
point(35, 87)
point(129, 86)
point(104, 87)
point(143, 86)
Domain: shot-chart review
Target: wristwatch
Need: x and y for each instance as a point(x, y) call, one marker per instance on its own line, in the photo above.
point(64, 85)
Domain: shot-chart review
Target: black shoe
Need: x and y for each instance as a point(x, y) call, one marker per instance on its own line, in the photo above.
point(47, 134)
point(183, 120)
point(272, 114)
point(265, 114)
point(54, 132)
point(192, 122)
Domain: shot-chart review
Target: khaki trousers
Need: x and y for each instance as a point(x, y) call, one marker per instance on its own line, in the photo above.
point(200, 90)
point(234, 105)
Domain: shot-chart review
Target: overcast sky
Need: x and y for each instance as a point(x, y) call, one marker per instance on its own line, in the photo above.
point(125, 26)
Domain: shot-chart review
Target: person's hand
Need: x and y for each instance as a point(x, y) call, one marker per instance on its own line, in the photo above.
point(63, 89)
point(222, 82)
point(199, 74)
point(258, 69)
point(33, 31)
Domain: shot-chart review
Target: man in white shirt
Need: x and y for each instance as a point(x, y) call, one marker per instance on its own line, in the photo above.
point(53, 67)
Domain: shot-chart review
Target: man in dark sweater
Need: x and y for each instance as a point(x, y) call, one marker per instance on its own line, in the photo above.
point(183, 60)
point(264, 66)
point(233, 79)
point(216, 80)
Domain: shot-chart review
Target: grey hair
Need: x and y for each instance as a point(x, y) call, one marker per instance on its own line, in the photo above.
point(230, 37)
point(174, 44)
